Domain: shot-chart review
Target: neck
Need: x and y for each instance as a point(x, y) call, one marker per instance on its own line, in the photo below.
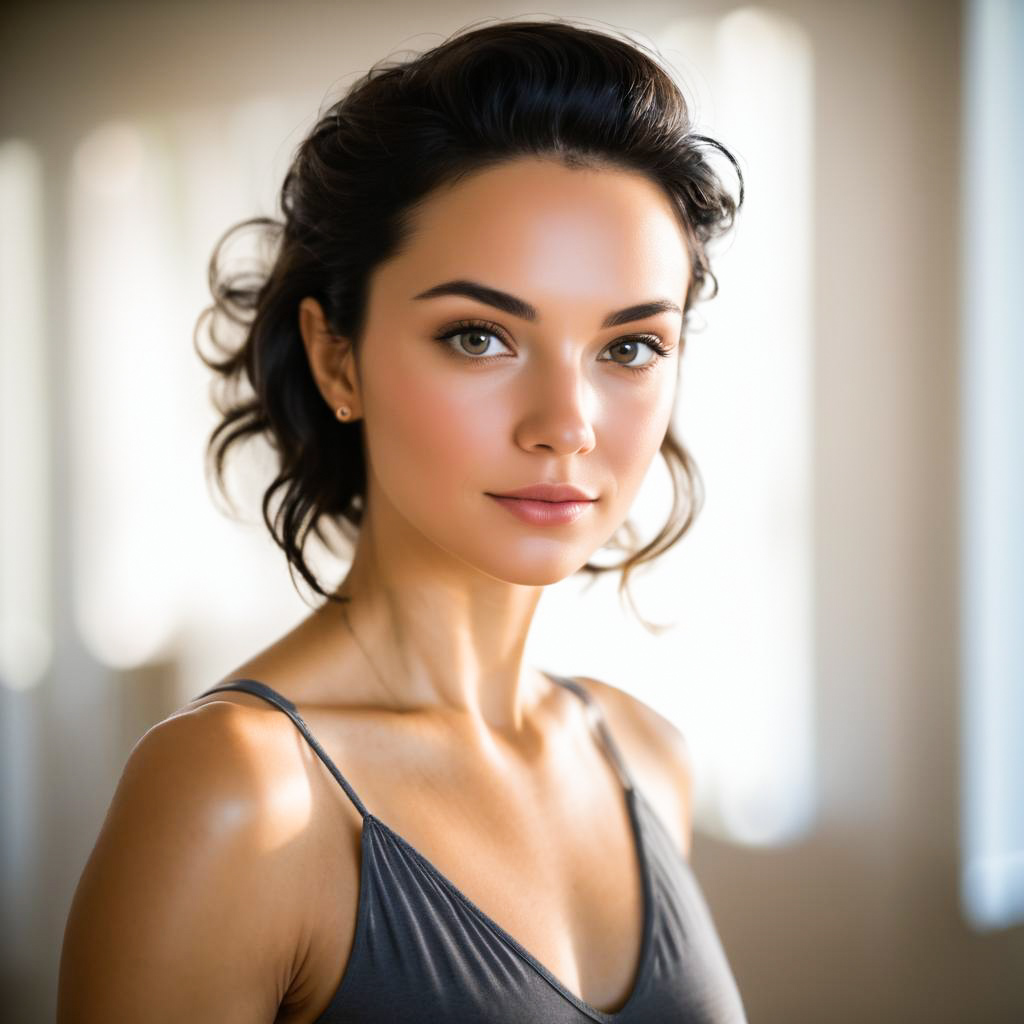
point(436, 636)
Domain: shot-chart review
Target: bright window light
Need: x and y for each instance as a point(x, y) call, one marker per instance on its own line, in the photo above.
point(992, 879)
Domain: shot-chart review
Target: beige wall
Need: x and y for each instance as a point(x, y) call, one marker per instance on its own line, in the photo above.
point(861, 922)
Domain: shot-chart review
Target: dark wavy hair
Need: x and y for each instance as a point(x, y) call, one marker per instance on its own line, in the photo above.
point(484, 96)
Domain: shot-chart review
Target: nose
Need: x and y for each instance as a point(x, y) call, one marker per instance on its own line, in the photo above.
point(559, 414)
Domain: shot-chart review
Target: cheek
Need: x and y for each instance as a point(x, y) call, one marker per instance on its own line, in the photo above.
point(425, 430)
point(630, 435)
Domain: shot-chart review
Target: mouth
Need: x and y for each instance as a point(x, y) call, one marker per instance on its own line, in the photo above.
point(538, 512)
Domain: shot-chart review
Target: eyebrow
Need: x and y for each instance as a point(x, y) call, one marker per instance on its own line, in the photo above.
point(522, 309)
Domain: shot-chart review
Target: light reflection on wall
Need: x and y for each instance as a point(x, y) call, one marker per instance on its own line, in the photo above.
point(126, 535)
point(26, 628)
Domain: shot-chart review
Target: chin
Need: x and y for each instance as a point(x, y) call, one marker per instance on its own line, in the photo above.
point(536, 568)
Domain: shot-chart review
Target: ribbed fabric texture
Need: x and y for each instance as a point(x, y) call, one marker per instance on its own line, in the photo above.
point(424, 953)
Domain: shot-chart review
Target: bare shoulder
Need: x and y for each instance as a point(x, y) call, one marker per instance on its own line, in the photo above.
point(657, 752)
point(195, 827)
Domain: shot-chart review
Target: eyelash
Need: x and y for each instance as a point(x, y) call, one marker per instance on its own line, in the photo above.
point(464, 326)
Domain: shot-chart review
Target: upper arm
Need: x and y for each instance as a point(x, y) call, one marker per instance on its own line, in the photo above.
point(656, 740)
point(181, 912)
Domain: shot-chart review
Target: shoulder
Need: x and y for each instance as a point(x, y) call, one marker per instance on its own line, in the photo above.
point(657, 752)
point(234, 747)
point(203, 788)
point(195, 827)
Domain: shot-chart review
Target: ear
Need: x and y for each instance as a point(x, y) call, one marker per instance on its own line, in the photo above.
point(331, 359)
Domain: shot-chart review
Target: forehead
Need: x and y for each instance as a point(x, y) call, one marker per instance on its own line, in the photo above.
point(546, 229)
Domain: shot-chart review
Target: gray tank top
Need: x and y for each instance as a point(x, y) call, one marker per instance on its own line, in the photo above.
point(424, 953)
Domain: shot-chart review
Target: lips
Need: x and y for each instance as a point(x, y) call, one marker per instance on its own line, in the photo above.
point(547, 492)
point(539, 512)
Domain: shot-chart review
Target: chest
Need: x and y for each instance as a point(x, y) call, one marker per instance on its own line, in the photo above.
point(549, 856)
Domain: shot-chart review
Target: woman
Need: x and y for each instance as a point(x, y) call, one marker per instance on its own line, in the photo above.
point(465, 354)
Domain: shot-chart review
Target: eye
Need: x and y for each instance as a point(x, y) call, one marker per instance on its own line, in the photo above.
point(654, 345)
point(477, 332)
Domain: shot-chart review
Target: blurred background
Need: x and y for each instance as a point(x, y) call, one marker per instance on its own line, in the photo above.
point(845, 622)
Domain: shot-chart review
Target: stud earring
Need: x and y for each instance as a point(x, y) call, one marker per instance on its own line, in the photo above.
point(342, 412)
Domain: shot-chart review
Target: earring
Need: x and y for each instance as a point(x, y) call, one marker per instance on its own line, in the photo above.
point(342, 412)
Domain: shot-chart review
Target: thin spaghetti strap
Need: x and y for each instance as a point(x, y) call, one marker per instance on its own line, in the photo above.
point(598, 723)
point(258, 689)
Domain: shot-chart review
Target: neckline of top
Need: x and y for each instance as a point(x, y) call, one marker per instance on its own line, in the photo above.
point(633, 797)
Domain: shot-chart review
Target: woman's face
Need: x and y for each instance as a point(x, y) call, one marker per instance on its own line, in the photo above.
point(517, 396)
